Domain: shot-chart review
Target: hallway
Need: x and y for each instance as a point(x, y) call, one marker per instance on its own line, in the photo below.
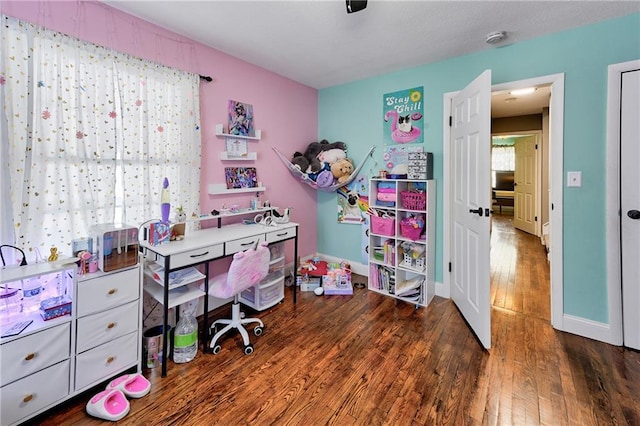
point(520, 279)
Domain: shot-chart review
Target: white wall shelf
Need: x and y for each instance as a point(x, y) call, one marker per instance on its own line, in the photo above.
point(249, 156)
point(220, 133)
point(221, 188)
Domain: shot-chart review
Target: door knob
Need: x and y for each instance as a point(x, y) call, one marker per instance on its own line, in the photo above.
point(633, 214)
point(478, 211)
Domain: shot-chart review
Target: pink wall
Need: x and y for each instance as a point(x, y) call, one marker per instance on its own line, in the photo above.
point(285, 111)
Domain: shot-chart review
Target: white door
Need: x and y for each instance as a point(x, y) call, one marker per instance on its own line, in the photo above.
point(630, 206)
point(471, 202)
point(524, 212)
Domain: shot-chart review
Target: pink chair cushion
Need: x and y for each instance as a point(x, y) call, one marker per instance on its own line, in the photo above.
point(247, 269)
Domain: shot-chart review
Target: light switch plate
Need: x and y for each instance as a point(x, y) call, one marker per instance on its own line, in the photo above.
point(574, 179)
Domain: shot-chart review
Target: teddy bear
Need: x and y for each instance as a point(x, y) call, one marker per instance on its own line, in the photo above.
point(342, 169)
point(312, 163)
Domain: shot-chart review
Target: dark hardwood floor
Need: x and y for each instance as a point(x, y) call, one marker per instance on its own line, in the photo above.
point(369, 360)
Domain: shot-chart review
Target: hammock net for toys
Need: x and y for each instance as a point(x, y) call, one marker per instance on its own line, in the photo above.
point(303, 177)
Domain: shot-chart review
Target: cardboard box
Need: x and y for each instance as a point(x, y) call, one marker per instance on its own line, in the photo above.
point(159, 233)
point(55, 307)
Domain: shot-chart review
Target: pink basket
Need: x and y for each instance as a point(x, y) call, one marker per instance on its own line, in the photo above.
point(383, 225)
point(410, 231)
point(414, 200)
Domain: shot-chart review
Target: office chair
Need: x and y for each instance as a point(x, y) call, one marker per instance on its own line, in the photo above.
point(247, 269)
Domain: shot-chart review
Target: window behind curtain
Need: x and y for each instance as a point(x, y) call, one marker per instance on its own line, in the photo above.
point(92, 133)
point(503, 158)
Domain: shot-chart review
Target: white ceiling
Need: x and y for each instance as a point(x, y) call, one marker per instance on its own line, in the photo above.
point(318, 44)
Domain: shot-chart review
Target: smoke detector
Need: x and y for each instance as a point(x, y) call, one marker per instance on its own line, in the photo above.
point(495, 37)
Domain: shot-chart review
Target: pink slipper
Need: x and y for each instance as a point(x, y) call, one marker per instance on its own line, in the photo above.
point(132, 385)
point(108, 405)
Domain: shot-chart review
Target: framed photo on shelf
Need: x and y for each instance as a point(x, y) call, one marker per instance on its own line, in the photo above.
point(236, 148)
point(240, 177)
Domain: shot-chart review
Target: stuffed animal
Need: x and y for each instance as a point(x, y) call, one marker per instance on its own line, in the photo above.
point(299, 161)
point(330, 156)
point(342, 169)
point(315, 148)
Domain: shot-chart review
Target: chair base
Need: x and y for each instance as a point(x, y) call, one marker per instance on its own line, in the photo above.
point(237, 322)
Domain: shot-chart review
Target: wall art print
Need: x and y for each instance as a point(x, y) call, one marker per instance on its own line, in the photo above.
point(240, 177)
point(353, 201)
point(240, 119)
point(402, 112)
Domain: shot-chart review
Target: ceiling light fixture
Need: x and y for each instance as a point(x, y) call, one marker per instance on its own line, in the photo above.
point(495, 37)
point(522, 92)
point(356, 5)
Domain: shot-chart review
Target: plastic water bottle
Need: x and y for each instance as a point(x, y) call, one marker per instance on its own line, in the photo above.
point(185, 337)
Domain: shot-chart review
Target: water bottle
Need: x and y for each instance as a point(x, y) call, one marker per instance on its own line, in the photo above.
point(185, 337)
point(31, 294)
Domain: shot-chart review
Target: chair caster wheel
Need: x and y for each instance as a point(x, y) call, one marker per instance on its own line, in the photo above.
point(258, 331)
point(248, 350)
point(216, 350)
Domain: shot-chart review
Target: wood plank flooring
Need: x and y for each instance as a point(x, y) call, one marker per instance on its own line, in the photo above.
point(369, 360)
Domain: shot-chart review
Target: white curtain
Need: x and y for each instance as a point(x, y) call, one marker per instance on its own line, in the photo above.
point(90, 136)
point(503, 158)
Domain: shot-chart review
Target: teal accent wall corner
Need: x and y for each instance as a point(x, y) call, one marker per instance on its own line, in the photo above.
point(353, 113)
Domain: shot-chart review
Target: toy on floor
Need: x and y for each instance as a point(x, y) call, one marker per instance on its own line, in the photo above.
point(109, 405)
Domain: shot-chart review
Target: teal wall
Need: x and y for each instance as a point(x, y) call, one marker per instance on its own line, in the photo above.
point(353, 113)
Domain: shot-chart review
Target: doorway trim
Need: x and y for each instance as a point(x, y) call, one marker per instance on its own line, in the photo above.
point(538, 198)
point(556, 173)
point(614, 273)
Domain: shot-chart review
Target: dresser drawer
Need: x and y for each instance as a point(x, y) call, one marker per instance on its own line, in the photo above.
point(103, 327)
point(281, 234)
point(25, 356)
point(197, 255)
point(103, 361)
point(242, 244)
point(25, 397)
point(107, 291)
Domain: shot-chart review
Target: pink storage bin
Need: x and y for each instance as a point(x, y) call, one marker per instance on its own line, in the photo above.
point(383, 225)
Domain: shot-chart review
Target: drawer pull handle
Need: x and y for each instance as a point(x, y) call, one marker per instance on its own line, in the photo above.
point(112, 291)
point(202, 254)
point(110, 359)
point(27, 398)
point(30, 356)
point(247, 244)
point(111, 325)
point(282, 235)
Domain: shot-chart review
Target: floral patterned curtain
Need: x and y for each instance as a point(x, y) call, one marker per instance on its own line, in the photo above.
point(90, 136)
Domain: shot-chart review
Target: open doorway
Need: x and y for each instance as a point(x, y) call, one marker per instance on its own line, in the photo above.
point(520, 273)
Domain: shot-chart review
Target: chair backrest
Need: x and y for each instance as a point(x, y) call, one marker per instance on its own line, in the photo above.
point(248, 268)
point(24, 258)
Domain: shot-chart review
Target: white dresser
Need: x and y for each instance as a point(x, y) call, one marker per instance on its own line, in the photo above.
point(54, 360)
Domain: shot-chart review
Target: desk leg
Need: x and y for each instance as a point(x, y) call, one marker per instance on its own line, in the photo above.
point(205, 331)
point(295, 267)
point(165, 321)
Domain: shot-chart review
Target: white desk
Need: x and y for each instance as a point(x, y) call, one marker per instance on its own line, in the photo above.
point(202, 246)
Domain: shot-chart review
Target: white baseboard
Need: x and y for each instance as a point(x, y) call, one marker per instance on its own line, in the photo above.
point(587, 328)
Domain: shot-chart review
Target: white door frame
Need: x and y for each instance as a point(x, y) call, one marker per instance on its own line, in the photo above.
point(614, 287)
point(556, 173)
point(539, 189)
